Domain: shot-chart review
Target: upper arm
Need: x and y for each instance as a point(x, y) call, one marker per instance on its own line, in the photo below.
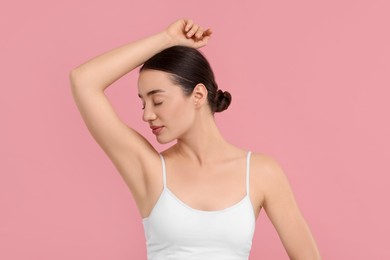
point(284, 213)
point(126, 148)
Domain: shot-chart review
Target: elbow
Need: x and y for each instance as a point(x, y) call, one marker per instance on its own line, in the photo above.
point(79, 79)
point(73, 77)
point(84, 79)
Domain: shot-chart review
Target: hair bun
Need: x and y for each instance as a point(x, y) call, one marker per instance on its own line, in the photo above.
point(223, 100)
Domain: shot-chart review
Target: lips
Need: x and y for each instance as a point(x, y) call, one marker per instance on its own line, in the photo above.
point(156, 129)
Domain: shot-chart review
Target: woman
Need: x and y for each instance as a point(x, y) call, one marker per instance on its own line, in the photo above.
point(200, 198)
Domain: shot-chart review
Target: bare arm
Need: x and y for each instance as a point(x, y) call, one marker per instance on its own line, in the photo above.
point(101, 71)
point(282, 209)
point(130, 152)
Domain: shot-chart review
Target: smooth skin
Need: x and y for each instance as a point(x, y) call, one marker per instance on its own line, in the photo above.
point(203, 169)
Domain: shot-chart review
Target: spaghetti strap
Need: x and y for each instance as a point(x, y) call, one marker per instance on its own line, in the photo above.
point(248, 158)
point(163, 171)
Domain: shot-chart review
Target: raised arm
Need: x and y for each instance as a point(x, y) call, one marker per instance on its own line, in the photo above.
point(101, 71)
point(130, 152)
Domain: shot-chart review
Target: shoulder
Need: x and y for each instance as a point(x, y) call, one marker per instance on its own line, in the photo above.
point(267, 175)
point(265, 166)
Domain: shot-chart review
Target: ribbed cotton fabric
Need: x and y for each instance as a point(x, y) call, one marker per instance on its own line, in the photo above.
point(175, 231)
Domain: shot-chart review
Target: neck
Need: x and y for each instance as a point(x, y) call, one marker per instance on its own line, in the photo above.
point(204, 143)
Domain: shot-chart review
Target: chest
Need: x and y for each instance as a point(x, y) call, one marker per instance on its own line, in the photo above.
point(176, 228)
point(205, 189)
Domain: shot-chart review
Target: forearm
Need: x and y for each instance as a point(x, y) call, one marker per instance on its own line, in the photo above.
point(101, 71)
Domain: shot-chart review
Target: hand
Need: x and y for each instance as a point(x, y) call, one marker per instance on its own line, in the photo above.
point(186, 32)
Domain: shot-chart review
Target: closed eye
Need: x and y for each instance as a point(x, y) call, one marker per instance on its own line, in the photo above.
point(155, 104)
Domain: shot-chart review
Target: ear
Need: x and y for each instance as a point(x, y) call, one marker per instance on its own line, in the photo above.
point(199, 95)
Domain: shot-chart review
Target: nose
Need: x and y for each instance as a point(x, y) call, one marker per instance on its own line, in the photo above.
point(148, 115)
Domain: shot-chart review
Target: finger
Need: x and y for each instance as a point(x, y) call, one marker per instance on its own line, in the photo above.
point(199, 33)
point(192, 31)
point(189, 24)
point(208, 32)
point(202, 42)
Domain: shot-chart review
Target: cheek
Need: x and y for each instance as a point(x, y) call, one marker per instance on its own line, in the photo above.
point(181, 111)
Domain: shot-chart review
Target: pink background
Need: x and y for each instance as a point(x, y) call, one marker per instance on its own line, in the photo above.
point(310, 83)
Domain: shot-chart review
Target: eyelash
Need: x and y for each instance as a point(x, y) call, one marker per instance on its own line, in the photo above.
point(155, 104)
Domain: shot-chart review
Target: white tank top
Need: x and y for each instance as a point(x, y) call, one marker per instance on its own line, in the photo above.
point(175, 231)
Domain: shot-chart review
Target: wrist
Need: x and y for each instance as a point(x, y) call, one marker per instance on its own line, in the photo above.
point(167, 40)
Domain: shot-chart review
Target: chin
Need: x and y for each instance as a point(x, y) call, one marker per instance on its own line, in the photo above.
point(161, 140)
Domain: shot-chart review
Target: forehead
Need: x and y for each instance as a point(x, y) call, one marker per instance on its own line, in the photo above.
point(149, 80)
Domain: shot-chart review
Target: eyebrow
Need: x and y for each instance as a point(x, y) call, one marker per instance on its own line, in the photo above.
point(152, 92)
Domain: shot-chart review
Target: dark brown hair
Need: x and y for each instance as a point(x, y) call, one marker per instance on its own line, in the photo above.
point(189, 67)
